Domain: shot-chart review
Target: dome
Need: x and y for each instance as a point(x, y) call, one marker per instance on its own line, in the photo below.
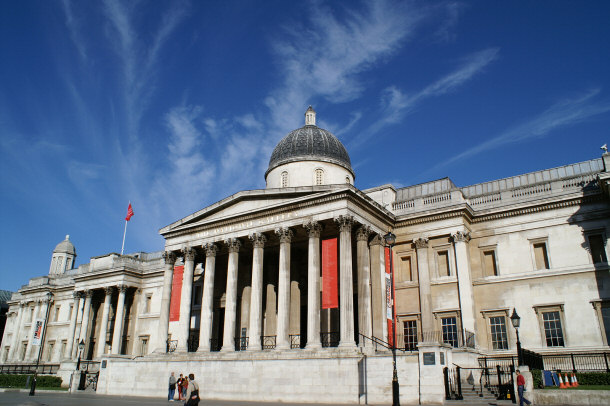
point(310, 143)
point(65, 247)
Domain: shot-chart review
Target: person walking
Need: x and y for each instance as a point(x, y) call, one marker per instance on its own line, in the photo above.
point(172, 388)
point(521, 389)
point(192, 392)
point(180, 384)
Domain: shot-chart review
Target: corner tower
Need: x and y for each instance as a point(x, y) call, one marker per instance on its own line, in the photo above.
point(63, 258)
point(309, 156)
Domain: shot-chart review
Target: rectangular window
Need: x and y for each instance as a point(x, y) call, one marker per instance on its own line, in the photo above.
point(64, 344)
point(405, 270)
point(7, 349)
point(50, 347)
point(450, 331)
point(410, 332)
point(31, 314)
point(144, 345)
point(540, 256)
point(442, 259)
point(499, 339)
point(56, 313)
point(552, 329)
point(489, 263)
point(147, 303)
point(70, 311)
point(597, 248)
point(24, 347)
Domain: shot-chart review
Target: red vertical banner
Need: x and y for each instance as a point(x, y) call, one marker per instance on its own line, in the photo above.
point(330, 293)
point(389, 294)
point(174, 303)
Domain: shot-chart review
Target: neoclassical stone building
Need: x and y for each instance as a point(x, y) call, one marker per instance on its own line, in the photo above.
point(281, 293)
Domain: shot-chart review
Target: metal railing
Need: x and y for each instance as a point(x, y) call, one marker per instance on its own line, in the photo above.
point(576, 362)
point(453, 383)
point(43, 369)
point(295, 341)
point(330, 339)
point(460, 339)
point(268, 342)
point(241, 343)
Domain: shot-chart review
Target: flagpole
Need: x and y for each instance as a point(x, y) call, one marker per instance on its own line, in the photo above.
point(124, 232)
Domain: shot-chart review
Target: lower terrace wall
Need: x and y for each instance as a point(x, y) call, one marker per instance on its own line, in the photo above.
point(322, 377)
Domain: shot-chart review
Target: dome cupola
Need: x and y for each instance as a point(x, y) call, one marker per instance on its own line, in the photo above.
point(308, 156)
point(63, 258)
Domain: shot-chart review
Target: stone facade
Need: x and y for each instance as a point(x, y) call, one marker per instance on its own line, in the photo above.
point(234, 297)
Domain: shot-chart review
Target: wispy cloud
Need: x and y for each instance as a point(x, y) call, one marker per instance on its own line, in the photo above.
point(561, 114)
point(395, 104)
point(73, 25)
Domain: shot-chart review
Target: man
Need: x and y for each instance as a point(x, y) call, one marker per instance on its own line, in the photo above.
point(192, 392)
point(521, 388)
point(172, 388)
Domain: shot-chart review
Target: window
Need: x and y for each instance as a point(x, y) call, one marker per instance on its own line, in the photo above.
point(552, 329)
point(64, 344)
point(50, 347)
point(602, 308)
point(410, 335)
point(319, 176)
point(31, 314)
point(597, 248)
point(442, 261)
point(405, 270)
point(147, 302)
point(24, 347)
point(284, 179)
point(144, 345)
point(541, 258)
point(349, 182)
point(490, 267)
point(70, 311)
point(450, 331)
point(497, 325)
point(7, 350)
point(56, 313)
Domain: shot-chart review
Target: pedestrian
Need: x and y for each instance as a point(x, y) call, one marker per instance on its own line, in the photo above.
point(172, 388)
point(185, 385)
point(192, 392)
point(180, 383)
point(521, 389)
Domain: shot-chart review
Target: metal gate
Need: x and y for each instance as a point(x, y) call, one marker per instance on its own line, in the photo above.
point(499, 380)
point(453, 383)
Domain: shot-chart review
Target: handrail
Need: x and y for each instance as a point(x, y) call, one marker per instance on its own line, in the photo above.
point(379, 341)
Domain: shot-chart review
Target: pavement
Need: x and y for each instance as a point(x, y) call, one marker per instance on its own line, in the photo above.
point(53, 398)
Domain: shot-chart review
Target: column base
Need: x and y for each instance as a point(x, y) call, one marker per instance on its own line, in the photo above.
point(349, 344)
point(227, 349)
point(313, 346)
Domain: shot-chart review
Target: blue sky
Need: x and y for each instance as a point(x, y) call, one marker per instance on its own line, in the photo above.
point(174, 105)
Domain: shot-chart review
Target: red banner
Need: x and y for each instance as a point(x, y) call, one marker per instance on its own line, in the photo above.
point(330, 293)
point(174, 303)
point(389, 294)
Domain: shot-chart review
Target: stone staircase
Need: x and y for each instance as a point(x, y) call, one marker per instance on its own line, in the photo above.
point(473, 396)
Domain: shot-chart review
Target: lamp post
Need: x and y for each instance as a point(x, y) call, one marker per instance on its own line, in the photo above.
point(81, 347)
point(42, 337)
point(516, 321)
point(390, 239)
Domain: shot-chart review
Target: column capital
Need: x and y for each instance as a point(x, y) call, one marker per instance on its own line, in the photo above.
point(76, 295)
point(122, 288)
point(169, 257)
point(23, 303)
point(377, 240)
point(189, 253)
point(234, 244)
point(461, 236)
point(345, 222)
point(258, 240)
point(314, 229)
point(421, 242)
point(88, 293)
point(108, 290)
point(362, 234)
point(285, 234)
point(210, 249)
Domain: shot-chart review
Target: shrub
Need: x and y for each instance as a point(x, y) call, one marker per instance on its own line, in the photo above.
point(593, 378)
point(537, 376)
point(20, 381)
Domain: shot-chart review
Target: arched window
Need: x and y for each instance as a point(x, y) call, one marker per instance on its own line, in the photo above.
point(319, 176)
point(347, 180)
point(284, 179)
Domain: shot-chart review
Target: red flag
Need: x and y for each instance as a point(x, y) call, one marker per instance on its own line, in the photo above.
point(330, 294)
point(129, 213)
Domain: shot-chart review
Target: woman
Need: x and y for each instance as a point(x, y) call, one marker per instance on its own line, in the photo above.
point(180, 383)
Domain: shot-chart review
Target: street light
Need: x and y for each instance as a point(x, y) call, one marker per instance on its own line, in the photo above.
point(81, 347)
point(42, 337)
point(516, 320)
point(390, 240)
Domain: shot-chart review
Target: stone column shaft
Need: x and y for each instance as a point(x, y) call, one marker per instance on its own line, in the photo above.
point(313, 285)
point(256, 295)
point(207, 302)
point(72, 328)
point(28, 353)
point(168, 278)
point(365, 320)
point(84, 327)
point(378, 300)
point(184, 325)
point(101, 345)
point(346, 300)
point(283, 297)
point(17, 329)
point(460, 244)
point(228, 338)
point(117, 336)
point(425, 295)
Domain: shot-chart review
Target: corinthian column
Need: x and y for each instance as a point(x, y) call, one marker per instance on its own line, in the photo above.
point(256, 295)
point(168, 277)
point(425, 295)
point(283, 297)
point(460, 244)
point(101, 345)
point(228, 343)
point(72, 329)
point(346, 300)
point(184, 325)
point(207, 303)
point(17, 329)
point(117, 337)
point(313, 284)
point(378, 300)
point(364, 284)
